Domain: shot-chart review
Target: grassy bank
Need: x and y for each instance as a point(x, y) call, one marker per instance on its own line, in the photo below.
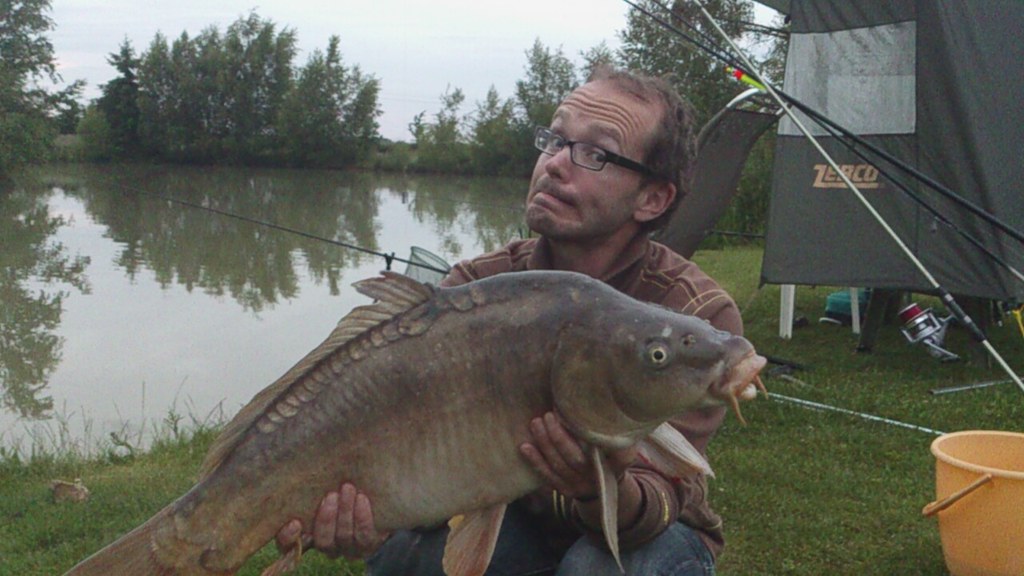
point(802, 492)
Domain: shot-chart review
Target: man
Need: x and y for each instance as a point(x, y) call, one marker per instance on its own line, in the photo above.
point(614, 164)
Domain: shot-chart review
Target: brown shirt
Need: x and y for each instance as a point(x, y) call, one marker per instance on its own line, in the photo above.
point(650, 272)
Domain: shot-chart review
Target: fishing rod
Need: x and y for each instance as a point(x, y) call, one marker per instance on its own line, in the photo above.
point(944, 295)
point(837, 132)
point(389, 258)
point(851, 141)
point(934, 212)
point(831, 125)
point(710, 47)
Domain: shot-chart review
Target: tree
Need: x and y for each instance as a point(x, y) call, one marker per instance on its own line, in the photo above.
point(157, 98)
point(27, 125)
point(648, 46)
point(69, 114)
point(361, 129)
point(94, 136)
point(120, 102)
point(493, 148)
point(255, 77)
point(329, 118)
point(201, 110)
point(441, 145)
point(550, 77)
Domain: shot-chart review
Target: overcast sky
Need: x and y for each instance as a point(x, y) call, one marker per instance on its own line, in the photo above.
point(415, 48)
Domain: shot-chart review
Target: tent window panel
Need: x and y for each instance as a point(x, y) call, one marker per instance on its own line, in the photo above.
point(864, 78)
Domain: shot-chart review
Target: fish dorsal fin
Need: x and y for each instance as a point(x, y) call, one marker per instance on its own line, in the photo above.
point(395, 294)
point(609, 503)
point(471, 541)
point(670, 452)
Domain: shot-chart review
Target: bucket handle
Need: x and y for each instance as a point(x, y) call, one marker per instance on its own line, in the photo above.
point(940, 505)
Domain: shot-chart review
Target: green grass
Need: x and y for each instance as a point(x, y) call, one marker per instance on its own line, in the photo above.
point(802, 492)
point(808, 492)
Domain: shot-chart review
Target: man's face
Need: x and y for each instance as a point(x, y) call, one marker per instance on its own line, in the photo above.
point(569, 202)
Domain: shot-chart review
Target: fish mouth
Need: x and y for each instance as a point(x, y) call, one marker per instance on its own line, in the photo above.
point(744, 382)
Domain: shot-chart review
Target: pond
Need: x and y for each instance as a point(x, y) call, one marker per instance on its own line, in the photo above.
point(141, 299)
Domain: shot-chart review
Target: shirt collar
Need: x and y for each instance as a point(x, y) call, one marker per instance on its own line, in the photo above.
point(622, 270)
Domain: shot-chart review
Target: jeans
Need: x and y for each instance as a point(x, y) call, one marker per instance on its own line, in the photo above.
point(523, 550)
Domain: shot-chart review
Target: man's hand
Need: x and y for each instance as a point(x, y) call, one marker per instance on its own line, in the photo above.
point(563, 461)
point(343, 526)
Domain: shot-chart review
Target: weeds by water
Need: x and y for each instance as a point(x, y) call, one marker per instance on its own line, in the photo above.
point(72, 437)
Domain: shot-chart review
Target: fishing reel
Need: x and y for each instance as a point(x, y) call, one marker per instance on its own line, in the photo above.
point(922, 326)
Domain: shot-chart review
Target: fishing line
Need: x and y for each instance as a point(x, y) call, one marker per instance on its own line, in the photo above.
point(712, 49)
point(865, 416)
point(946, 297)
point(389, 258)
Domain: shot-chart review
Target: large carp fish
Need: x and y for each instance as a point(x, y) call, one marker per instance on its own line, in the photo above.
point(422, 399)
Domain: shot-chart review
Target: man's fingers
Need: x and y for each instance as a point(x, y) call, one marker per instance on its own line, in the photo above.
point(288, 535)
point(564, 442)
point(325, 523)
point(366, 536)
point(559, 447)
point(540, 465)
point(345, 524)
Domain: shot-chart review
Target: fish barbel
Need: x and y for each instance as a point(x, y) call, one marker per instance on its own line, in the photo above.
point(422, 399)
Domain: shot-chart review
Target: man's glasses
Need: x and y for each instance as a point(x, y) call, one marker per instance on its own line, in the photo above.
point(585, 155)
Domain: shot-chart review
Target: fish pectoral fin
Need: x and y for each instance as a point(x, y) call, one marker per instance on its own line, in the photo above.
point(669, 451)
point(471, 540)
point(287, 562)
point(609, 503)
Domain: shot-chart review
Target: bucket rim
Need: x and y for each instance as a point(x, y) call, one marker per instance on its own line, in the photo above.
point(977, 468)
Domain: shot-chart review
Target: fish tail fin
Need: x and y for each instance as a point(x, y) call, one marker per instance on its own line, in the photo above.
point(134, 553)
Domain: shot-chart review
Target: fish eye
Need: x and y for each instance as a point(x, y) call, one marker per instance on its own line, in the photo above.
point(657, 354)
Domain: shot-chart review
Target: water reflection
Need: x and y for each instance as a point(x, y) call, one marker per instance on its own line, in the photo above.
point(29, 347)
point(198, 263)
point(220, 255)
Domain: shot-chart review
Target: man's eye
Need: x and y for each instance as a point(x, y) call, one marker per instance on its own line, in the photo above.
point(595, 154)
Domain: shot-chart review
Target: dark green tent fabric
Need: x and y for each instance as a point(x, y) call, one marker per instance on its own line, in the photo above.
point(937, 84)
point(723, 146)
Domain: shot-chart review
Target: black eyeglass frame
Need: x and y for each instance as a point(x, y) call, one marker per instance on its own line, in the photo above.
point(541, 132)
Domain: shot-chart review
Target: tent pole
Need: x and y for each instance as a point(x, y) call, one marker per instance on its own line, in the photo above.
point(946, 297)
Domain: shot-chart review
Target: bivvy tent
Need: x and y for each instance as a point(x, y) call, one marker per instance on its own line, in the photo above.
point(934, 84)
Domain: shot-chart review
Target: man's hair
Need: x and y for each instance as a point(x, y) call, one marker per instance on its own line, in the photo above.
point(670, 149)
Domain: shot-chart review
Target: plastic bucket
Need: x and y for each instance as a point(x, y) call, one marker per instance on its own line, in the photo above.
point(979, 486)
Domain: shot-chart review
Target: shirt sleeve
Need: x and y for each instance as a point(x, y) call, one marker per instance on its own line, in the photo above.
point(459, 274)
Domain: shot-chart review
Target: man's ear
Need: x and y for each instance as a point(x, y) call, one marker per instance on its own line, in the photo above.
point(653, 200)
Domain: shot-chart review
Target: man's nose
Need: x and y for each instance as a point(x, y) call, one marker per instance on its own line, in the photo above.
point(559, 163)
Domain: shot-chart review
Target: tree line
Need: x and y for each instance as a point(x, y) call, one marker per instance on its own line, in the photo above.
point(30, 115)
point(234, 97)
point(237, 97)
point(496, 136)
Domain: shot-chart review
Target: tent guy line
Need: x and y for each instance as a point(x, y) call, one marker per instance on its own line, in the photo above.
point(945, 296)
